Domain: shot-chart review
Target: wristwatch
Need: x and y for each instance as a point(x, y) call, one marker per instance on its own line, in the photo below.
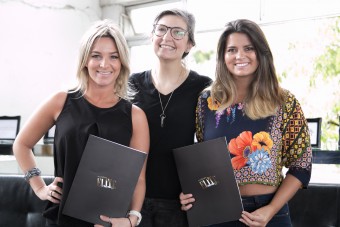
point(137, 214)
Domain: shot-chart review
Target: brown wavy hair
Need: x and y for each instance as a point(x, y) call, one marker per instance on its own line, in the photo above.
point(265, 93)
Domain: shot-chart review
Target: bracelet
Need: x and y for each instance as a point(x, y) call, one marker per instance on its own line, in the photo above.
point(31, 173)
point(137, 214)
point(129, 221)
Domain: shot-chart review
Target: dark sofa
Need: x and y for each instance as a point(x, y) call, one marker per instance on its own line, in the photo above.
point(19, 206)
point(317, 206)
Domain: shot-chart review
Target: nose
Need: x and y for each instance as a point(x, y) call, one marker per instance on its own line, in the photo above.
point(102, 63)
point(167, 34)
point(239, 54)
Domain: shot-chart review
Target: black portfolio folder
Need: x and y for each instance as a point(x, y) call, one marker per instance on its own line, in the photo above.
point(105, 181)
point(205, 171)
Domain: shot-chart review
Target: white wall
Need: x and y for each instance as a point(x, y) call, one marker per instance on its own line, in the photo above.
point(38, 49)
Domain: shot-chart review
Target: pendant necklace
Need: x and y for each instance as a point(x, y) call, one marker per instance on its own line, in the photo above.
point(163, 116)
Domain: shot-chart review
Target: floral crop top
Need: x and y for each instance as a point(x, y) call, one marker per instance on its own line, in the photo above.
point(259, 148)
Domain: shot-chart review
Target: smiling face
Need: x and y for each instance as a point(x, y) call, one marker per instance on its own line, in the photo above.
point(166, 47)
point(104, 64)
point(240, 56)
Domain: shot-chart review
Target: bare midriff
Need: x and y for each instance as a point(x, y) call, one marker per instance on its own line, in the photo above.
point(256, 189)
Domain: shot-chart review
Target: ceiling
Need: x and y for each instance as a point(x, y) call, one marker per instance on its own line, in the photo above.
point(132, 2)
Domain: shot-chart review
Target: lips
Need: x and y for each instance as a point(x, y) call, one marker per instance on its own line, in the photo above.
point(241, 64)
point(166, 47)
point(104, 73)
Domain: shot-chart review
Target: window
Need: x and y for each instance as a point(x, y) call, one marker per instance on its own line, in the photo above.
point(298, 33)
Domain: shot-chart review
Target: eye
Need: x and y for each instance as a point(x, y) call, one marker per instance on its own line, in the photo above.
point(249, 48)
point(231, 50)
point(178, 32)
point(161, 29)
point(115, 57)
point(96, 56)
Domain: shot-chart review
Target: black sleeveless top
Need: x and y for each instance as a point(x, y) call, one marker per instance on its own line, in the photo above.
point(77, 120)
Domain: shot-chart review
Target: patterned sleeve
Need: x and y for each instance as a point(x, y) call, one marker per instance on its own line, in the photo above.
point(297, 151)
point(199, 120)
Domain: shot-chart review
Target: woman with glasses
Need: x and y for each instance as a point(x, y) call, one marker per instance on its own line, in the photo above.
point(168, 94)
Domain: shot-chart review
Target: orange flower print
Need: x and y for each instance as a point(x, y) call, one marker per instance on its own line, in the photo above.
point(241, 147)
point(263, 141)
point(213, 105)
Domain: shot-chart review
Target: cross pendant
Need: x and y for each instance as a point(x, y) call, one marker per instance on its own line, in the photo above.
point(162, 119)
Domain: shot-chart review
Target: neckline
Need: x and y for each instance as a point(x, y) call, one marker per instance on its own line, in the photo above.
point(98, 107)
point(156, 90)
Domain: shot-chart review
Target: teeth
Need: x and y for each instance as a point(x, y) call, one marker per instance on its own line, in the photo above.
point(104, 72)
point(166, 47)
point(242, 64)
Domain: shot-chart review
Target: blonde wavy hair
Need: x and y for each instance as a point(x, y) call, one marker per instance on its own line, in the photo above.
point(265, 95)
point(104, 28)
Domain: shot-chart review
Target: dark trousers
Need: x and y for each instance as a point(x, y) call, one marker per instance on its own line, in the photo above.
point(162, 213)
point(252, 203)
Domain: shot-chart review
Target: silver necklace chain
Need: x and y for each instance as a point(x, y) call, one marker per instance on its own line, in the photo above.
point(163, 116)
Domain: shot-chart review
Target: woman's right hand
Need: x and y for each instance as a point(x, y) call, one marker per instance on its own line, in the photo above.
point(51, 192)
point(186, 201)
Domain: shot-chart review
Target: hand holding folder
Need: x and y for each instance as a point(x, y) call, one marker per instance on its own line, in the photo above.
point(205, 171)
point(105, 181)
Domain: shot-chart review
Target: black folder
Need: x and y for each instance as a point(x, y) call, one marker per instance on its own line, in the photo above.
point(105, 181)
point(205, 171)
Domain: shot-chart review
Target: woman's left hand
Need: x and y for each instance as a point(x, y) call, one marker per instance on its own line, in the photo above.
point(114, 222)
point(186, 201)
point(258, 218)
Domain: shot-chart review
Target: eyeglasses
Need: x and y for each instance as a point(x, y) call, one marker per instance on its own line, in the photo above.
point(177, 33)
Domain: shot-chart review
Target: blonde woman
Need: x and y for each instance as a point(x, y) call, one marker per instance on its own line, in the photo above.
point(98, 106)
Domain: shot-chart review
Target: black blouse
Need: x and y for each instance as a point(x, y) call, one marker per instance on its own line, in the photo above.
point(179, 128)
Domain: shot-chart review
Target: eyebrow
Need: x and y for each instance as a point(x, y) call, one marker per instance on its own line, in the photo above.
point(248, 45)
point(171, 27)
point(98, 52)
